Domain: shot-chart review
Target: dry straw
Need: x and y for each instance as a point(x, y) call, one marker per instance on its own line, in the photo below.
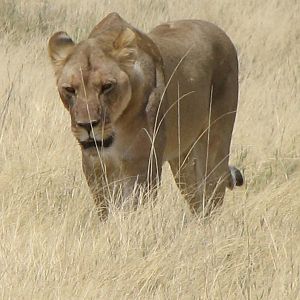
point(52, 245)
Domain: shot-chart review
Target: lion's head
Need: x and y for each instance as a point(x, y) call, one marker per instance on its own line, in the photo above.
point(94, 82)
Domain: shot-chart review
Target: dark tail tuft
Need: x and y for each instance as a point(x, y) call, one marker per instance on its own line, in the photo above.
point(236, 176)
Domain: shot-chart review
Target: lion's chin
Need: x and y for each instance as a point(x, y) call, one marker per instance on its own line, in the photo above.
point(91, 143)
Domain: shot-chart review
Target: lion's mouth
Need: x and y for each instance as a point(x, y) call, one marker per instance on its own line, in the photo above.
point(97, 143)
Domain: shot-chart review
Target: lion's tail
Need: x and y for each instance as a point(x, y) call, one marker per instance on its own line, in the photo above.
point(236, 177)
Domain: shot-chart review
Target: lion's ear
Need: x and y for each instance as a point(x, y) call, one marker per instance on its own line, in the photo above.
point(60, 47)
point(125, 47)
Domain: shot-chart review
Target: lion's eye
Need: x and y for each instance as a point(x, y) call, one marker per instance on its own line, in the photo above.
point(70, 90)
point(107, 87)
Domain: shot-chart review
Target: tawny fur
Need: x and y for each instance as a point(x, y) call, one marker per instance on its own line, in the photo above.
point(171, 95)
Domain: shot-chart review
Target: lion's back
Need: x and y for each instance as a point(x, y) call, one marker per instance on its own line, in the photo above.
point(202, 42)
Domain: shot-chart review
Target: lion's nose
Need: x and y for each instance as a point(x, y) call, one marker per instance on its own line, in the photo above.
point(88, 125)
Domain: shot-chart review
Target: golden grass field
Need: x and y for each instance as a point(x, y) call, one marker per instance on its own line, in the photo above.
point(52, 245)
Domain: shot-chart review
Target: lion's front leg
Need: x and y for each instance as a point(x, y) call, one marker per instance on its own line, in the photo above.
point(141, 177)
point(98, 179)
point(142, 167)
point(100, 201)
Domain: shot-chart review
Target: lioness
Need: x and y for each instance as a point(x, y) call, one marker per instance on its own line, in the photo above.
point(137, 100)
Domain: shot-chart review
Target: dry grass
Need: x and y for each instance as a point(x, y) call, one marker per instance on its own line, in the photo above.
point(51, 242)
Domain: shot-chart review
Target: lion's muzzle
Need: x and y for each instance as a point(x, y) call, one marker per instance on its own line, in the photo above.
point(93, 134)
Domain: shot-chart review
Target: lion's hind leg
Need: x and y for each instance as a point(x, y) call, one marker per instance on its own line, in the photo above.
point(203, 179)
point(185, 170)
